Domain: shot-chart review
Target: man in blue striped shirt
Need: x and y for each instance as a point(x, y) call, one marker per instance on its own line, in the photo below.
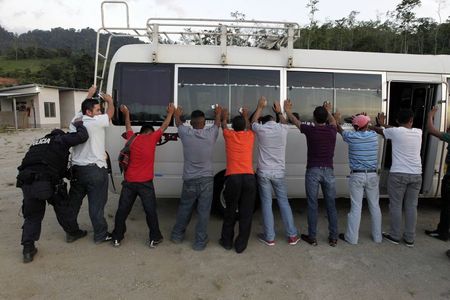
point(363, 155)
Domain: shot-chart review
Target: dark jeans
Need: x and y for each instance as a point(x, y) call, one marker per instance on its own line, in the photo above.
point(145, 191)
point(34, 202)
point(444, 222)
point(239, 193)
point(93, 182)
point(196, 192)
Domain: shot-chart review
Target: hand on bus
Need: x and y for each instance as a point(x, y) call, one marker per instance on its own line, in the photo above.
point(337, 117)
point(217, 110)
point(262, 102)
point(381, 119)
point(124, 109)
point(244, 112)
point(178, 111)
point(327, 105)
point(171, 108)
point(432, 112)
point(276, 107)
point(107, 98)
point(288, 105)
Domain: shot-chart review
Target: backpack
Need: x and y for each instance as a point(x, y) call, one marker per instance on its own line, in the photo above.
point(124, 155)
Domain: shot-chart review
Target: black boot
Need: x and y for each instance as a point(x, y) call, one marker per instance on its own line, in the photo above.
point(29, 251)
point(70, 238)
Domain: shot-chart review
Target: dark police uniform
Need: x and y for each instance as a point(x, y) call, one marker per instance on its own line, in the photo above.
point(41, 179)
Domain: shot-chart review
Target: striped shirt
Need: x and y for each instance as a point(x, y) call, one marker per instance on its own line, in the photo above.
point(362, 149)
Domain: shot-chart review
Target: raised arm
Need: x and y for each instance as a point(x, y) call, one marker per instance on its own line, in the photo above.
point(91, 91)
point(337, 118)
point(177, 114)
point(262, 102)
point(430, 127)
point(78, 137)
point(109, 100)
point(170, 111)
point(381, 119)
point(217, 115)
point(328, 107)
point(277, 109)
point(288, 110)
point(126, 114)
point(224, 118)
point(244, 114)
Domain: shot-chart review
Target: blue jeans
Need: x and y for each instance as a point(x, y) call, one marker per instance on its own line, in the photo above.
point(323, 177)
point(93, 182)
point(195, 191)
point(266, 182)
point(359, 183)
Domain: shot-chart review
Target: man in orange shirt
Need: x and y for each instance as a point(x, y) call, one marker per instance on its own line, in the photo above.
point(240, 184)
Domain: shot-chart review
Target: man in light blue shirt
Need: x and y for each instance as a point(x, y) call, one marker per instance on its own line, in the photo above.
point(363, 159)
point(272, 139)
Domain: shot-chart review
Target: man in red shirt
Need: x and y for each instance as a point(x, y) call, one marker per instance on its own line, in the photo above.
point(139, 178)
point(240, 184)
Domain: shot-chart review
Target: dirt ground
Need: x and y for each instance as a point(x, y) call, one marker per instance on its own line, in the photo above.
point(134, 271)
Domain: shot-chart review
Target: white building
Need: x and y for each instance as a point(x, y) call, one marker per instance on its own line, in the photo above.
point(39, 106)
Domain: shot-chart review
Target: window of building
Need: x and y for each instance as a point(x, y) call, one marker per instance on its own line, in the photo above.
point(49, 109)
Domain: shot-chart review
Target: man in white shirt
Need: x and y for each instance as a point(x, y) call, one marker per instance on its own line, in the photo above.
point(405, 175)
point(89, 167)
point(272, 138)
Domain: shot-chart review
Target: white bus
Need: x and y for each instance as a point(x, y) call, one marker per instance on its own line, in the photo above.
point(147, 76)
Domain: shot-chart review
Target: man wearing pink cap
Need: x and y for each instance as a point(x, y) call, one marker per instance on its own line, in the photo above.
point(362, 154)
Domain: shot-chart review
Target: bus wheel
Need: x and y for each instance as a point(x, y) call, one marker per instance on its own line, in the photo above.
point(218, 205)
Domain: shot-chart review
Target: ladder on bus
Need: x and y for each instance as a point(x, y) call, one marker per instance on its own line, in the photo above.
point(219, 32)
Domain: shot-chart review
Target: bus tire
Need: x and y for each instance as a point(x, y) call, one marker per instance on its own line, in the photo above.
point(218, 205)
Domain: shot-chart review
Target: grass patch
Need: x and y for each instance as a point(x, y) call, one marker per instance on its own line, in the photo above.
point(10, 65)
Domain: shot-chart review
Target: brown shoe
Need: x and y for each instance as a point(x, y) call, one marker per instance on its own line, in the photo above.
point(311, 241)
point(332, 242)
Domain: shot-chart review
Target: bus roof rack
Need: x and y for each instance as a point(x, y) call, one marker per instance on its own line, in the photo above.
point(219, 32)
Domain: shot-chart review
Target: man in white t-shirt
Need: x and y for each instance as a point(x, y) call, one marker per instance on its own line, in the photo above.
point(89, 167)
point(405, 175)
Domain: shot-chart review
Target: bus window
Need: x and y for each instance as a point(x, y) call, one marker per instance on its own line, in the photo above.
point(308, 90)
point(146, 89)
point(357, 93)
point(200, 88)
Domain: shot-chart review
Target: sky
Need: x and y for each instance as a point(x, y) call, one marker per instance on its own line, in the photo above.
point(22, 15)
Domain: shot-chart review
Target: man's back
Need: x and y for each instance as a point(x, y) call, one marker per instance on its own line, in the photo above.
point(362, 149)
point(142, 156)
point(321, 141)
point(93, 151)
point(272, 138)
point(198, 147)
point(406, 144)
point(239, 151)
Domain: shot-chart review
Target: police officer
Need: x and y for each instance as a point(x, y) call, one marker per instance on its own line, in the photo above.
point(41, 179)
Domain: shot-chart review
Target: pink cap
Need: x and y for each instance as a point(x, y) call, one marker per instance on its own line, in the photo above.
point(361, 120)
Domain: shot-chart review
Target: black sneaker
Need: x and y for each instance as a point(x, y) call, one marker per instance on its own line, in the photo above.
point(116, 243)
point(332, 242)
point(154, 243)
point(448, 253)
point(306, 238)
point(436, 234)
point(107, 238)
point(70, 238)
point(408, 244)
point(28, 253)
point(388, 237)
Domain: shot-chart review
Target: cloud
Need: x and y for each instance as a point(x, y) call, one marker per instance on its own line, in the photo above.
point(172, 5)
point(18, 14)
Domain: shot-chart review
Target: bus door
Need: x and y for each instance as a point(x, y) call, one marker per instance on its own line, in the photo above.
point(419, 97)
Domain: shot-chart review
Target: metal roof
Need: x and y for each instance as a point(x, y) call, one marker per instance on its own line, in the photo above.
point(17, 95)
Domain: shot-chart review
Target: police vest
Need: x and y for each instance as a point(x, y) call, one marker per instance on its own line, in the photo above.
point(47, 155)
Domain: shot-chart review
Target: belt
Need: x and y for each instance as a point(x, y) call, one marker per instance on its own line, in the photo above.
point(363, 171)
